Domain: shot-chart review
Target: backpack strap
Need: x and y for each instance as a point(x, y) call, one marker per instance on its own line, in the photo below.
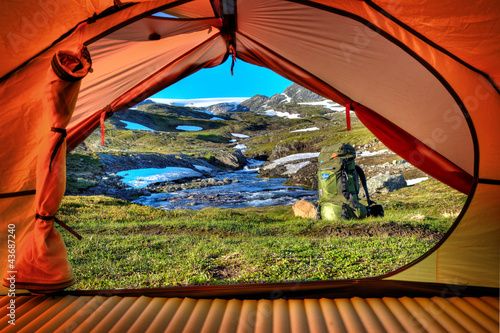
point(362, 177)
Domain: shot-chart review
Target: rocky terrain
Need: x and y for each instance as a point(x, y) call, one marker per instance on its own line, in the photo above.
point(287, 145)
point(292, 94)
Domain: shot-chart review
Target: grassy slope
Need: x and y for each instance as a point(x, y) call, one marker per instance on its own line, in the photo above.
point(265, 131)
point(127, 245)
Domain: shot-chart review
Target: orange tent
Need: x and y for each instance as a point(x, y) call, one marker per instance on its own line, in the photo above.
point(423, 77)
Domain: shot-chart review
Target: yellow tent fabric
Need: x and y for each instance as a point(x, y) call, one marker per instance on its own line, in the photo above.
point(423, 77)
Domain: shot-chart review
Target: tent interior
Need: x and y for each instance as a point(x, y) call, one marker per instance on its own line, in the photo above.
point(423, 77)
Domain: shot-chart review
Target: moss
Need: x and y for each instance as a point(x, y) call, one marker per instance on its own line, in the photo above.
point(79, 163)
point(210, 158)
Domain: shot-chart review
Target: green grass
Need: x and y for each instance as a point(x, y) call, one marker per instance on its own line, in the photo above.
point(132, 246)
point(332, 131)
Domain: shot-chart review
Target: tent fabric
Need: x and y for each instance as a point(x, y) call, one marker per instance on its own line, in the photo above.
point(423, 77)
point(41, 259)
point(465, 34)
point(468, 246)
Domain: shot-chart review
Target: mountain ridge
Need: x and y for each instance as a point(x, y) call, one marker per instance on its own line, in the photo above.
point(257, 103)
point(292, 94)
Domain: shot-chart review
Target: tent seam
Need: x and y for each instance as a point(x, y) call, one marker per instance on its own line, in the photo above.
point(17, 194)
point(489, 181)
point(134, 19)
point(429, 42)
point(63, 36)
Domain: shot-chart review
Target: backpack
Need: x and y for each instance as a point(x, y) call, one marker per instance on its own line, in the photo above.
point(338, 185)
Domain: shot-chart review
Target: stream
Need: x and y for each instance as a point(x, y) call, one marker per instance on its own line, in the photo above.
point(246, 190)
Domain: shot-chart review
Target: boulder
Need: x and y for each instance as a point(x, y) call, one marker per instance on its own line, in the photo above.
point(233, 161)
point(384, 184)
point(288, 148)
point(304, 209)
point(305, 177)
point(115, 162)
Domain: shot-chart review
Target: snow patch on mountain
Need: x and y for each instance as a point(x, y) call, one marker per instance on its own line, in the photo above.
point(306, 129)
point(326, 104)
point(290, 158)
point(274, 113)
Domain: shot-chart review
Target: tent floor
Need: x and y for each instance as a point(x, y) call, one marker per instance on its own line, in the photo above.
point(157, 314)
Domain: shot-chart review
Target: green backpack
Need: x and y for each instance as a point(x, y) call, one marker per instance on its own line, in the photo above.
point(338, 183)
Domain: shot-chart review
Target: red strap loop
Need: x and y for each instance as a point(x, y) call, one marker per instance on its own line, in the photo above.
point(348, 115)
point(105, 112)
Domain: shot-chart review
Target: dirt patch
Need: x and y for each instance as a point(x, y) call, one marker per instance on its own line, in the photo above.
point(228, 267)
point(156, 230)
point(383, 231)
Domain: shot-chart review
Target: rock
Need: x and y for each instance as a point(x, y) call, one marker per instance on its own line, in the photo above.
point(221, 108)
point(384, 184)
point(260, 156)
point(278, 171)
point(277, 99)
point(128, 161)
point(297, 93)
point(254, 104)
point(305, 177)
point(304, 209)
point(288, 148)
point(300, 171)
point(233, 161)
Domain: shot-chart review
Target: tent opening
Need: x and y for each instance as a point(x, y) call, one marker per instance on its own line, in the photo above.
point(170, 213)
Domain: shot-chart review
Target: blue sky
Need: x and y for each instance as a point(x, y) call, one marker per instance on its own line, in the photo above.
point(247, 81)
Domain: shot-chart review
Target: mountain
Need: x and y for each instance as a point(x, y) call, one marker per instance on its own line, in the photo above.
point(272, 106)
point(292, 94)
point(254, 104)
point(221, 108)
point(144, 102)
point(299, 94)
